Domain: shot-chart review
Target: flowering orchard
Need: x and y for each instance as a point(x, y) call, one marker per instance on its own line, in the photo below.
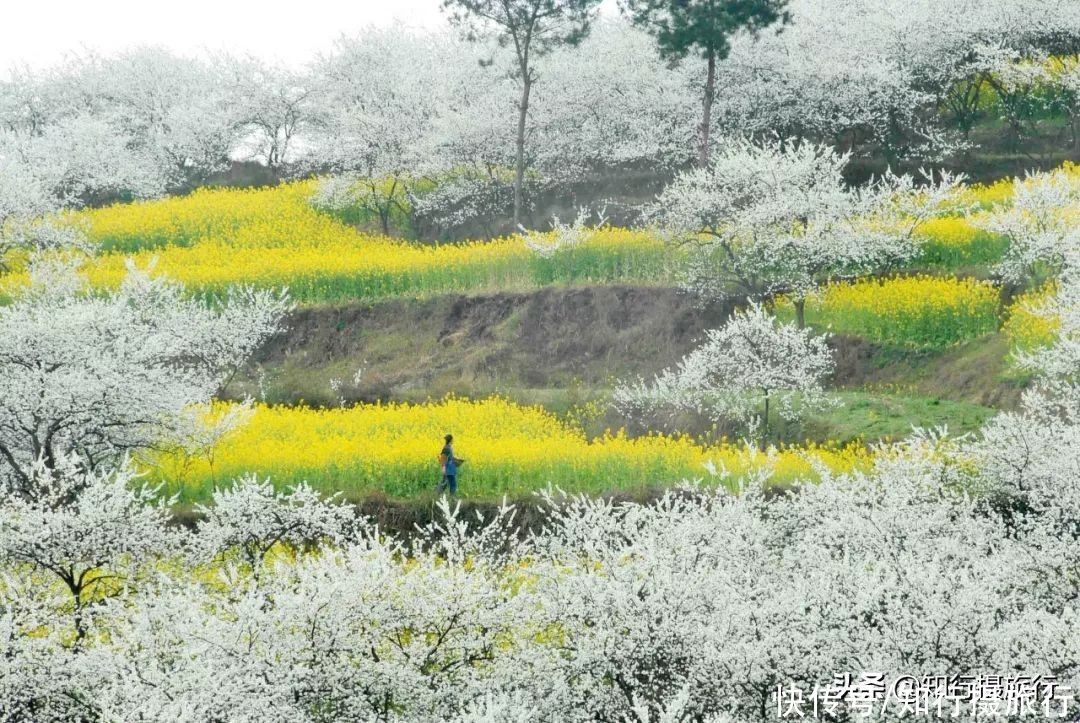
point(614, 610)
point(133, 296)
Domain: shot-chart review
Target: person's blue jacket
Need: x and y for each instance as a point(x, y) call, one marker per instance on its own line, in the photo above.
point(451, 460)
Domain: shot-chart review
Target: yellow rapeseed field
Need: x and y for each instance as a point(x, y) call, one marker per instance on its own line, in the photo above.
point(1027, 325)
point(253, 218)
point(510, 449)
point(273, 237)
point(929, 311)
point(954, 241)
point(986, 196)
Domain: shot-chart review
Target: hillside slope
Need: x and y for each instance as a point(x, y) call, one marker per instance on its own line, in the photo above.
point(565, 346)
point(551, 338)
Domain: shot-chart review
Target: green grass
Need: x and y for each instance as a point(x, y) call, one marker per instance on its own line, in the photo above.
point(977, 371)
point(982, 249)
point(869, 417)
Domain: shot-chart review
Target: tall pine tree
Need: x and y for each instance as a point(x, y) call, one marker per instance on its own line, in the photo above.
point(682, 27)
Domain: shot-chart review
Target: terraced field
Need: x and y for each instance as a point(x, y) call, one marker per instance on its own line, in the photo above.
point(364, 407)
point(273, 237)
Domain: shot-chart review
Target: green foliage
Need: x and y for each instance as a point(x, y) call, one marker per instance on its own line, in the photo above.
point(982, 249)
point(535, 26)
point(682, 27)
point(383, 204)
point(596, 264)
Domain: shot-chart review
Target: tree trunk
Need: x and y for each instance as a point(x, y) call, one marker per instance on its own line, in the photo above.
point(706, 116)
point(519, 170)
point(384, 220)
point(765, 425)
point(80, 626)
point(800, 313)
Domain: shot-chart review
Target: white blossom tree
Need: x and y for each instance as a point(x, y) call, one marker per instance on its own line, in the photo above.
point(24, 197)
point(100, 375)
point(83, 158)
point(36, 667)
point(1038, 223)
point(274, 105)
point(31, 99)
point(84, 530)
point(171, 108)
point(531, 28)
point(349, 634)
point(381, 94)
point(902, 80)
point(777, 217)
point(250, 518)
point(74, 160)
point(740, 370)
point(646, 122)
point(562, 236)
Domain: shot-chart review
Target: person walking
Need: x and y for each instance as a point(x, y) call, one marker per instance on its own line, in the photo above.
point(449, 464)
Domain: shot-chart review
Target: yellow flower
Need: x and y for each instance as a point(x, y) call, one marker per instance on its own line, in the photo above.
point(273, 237)
point(1028, 325)
point(911, 310)
point(509, 449)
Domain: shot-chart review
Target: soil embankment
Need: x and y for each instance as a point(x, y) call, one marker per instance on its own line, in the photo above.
point(549, 338)
point(559, 338)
